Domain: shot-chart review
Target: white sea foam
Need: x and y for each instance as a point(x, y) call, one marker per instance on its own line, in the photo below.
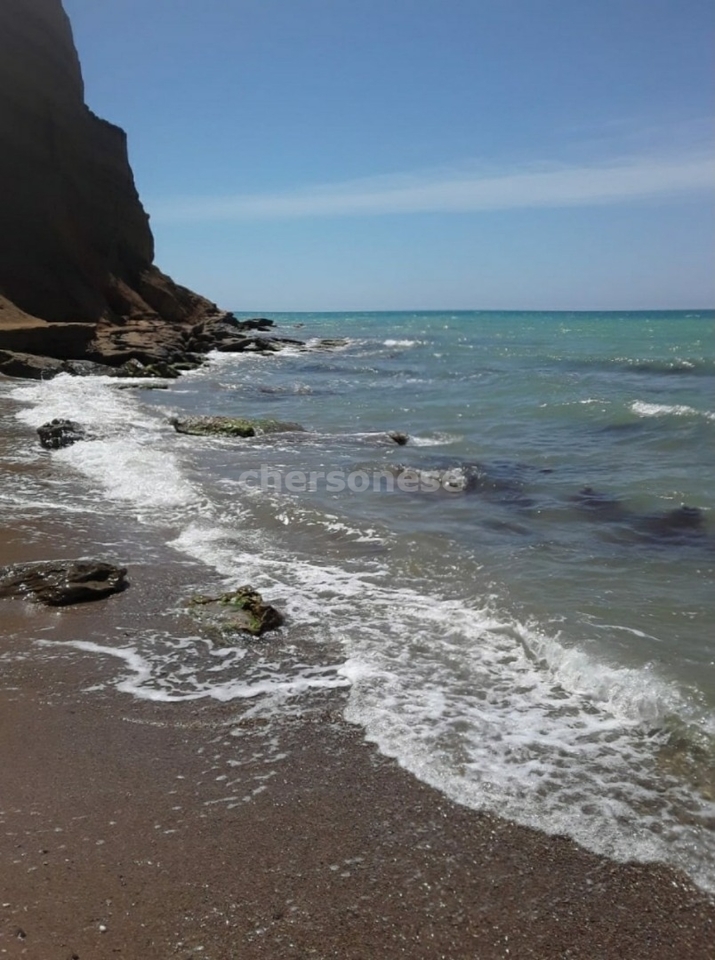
point(436, 440)
point(160, 676)
point(667, 410)
point(402, 343)
point(124, 455)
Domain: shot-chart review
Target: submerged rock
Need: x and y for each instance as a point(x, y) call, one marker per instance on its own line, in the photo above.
point(601, 506)
point(399, 437)
point(331, 344)
point(59, 583)
point(60, 433)
point(242, 611)
point(232, 426)
point(684, 521)
point(451, 480)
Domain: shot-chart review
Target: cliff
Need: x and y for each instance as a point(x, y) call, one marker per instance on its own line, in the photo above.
point(77, 278)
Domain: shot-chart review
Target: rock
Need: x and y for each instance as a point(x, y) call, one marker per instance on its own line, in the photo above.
point(683, 522)
point(232, 426)
point(21, 333)
point(417, 480)
point(30, 366)
point(601, 506)
point(400, 438)
point(256, 323)
point(331, 344)
point(257, 344)
point(158, 370)
point(234, 344)
point(242, 611)
point(262, 345)
point(60, 433)
point(58, 583)
point(77, 273)
point(88, 368)
point(288, 341)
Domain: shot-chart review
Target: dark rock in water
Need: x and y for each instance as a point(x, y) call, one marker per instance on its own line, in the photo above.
point(159, 369)
point(601, 505)
point(255, 323)
point(451, 480)
point(256, 344)
point(88, 368)
point(681, 522)
point(60, 433)
point(400, 438)
point(232, 426)
point(331, 344)
point(58, 583)
point(498, 482)
point(242, 611)
point(233, 344)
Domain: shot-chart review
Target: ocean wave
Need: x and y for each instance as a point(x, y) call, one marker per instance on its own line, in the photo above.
point(125, 457)
point(643, 409)
point(670, 366)
point(498, 715)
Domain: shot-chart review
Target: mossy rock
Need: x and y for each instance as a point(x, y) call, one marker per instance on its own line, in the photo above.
point(241, 611)
point(231, 426)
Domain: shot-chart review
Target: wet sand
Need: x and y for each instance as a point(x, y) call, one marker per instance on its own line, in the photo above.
point(140, 829)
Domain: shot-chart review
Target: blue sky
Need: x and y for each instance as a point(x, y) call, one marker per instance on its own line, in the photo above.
point(355, 154)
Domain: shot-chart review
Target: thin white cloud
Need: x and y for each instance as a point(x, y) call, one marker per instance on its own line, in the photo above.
point(459, 192)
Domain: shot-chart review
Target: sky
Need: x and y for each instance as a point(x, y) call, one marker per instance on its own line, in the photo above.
point(417, 154)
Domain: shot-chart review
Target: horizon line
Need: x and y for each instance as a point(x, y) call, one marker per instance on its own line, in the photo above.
point(258, 314)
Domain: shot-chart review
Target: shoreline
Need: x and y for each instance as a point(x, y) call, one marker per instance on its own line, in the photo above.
point(135, 828)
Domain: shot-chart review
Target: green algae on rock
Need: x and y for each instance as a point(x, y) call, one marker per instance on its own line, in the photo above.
point(241, 611)
point(232, 426)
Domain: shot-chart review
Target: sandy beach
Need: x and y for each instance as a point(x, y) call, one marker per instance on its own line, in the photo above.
point(139, 829)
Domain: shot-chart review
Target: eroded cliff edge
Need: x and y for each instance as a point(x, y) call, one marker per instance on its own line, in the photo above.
point(77, 274)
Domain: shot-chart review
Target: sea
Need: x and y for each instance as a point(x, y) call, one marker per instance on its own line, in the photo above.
point(517, 604)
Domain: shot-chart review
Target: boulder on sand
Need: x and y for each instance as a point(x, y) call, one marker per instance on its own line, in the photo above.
point(59, 583)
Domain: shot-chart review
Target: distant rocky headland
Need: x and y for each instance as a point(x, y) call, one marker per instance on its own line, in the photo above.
point(78, 283)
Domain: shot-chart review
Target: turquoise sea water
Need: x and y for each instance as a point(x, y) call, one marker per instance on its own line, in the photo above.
point(540, 643)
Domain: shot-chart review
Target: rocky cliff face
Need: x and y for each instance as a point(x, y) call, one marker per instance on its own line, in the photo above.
point(75, 245)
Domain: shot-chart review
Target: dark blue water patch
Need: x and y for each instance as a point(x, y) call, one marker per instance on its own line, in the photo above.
point(680, 367)
point(685, 526)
